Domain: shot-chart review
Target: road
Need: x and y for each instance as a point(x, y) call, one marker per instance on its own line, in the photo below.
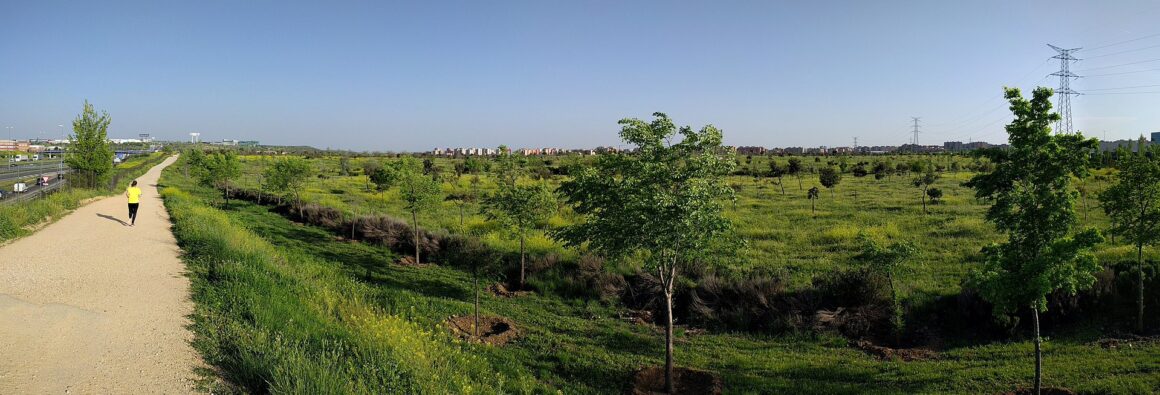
point(13, 174)
point(90, 305)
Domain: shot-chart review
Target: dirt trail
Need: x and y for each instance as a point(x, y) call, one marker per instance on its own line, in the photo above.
point(89, 305)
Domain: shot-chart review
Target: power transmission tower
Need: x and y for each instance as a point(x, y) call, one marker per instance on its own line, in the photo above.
point(915, 131)
point(1064, 93)
point(855, 143)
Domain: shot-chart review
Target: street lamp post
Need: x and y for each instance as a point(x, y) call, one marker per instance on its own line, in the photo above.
point(60, 152)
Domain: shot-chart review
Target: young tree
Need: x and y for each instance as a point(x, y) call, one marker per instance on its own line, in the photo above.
point(776, 170)
point(813, 196)
point(1133, 204)
point(661, 203)
point(520, 208)
point(889, 262)
point(1034, 206)
point(370, 167)
point(794, 168)
point(925, 181)
point(344, 165)
point(89, 153)
point(829, 177)
point(935, 195)
point(219, 169)
point(385, 176)
point(418, 191)
point(288, 174)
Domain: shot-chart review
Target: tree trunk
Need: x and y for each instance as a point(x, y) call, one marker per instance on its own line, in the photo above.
point(669, 338)
point(782, 185)
point(521, 260)
point(831, 193)
point(1038, 352)
point(813, 208)
point(800, 183)
point(1140, 284)
point(475, 276)
point(895, 320)
point(461, 203)
point(924, 201)
point(415, 226)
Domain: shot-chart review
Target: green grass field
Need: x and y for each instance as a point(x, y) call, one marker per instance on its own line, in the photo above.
point(287, 303)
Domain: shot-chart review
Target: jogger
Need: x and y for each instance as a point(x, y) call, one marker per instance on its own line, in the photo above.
point(134, 195)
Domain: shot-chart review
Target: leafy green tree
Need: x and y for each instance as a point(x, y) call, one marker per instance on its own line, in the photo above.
point(812, 194)
point(829, 177)
point(935, 195)
point(794, 168)
point(777, 171)
point(520, 208)
point(288, 174)
point(385, 176)
point(925, 181)
point(661, 204)
point(419, 193)
point(1033, 203)
point(370, 167)
point(90, 155)
point(1133, 204)
point(219, 169)
point(889, 262)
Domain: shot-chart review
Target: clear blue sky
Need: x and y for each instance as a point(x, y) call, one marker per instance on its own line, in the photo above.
point(374, 75)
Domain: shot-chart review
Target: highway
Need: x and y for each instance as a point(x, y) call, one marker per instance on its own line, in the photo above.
point(31, 193)
point(14, 174)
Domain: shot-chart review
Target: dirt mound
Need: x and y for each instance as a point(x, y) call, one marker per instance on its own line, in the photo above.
point(1127, 342)
point(499, 289)
point(651, 381)
point(904, 354)
point(1044, 391)
point(639, 317)
point(410, 262)
point(495, 331)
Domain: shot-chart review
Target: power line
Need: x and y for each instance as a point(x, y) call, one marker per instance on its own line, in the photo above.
point(1120, 73)
point(1123, 52)
point(1123, 93)
point(1119, 65)
point(1123, 87)
point(1122, 42)
point(1063, 102)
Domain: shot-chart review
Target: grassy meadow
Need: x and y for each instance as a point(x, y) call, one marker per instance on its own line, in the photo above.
point(287, 308)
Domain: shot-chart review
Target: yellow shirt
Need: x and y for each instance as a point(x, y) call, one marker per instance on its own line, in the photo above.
point(134, 194)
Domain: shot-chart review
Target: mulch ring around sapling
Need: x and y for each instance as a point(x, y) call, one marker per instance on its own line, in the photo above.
point(499, 289)
point(651, 381)
point(1044, 391)
point(495, 331)
point(890, 354)
point(409, 261)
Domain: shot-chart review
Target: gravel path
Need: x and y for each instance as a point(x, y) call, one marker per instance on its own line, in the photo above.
point(90, 305)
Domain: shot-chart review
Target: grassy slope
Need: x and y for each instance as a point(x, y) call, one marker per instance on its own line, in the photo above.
point(581, 347)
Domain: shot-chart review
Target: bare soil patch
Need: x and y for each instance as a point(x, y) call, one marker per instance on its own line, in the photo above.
point(1127, 342)
point(495, 331)
point(651, 381)
point(1044, 391)
point(499, 289)
point(639, 317)
point(904, 354)
point(409, 261)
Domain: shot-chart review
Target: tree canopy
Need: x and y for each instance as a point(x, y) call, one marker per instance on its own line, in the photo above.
point(90, 155)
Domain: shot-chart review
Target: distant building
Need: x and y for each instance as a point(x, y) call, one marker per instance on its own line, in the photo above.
point(13, 145)
point(747, 150)
point(959, 146)
point(249, 143)
point(1129, 144)
point(1155, 137)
